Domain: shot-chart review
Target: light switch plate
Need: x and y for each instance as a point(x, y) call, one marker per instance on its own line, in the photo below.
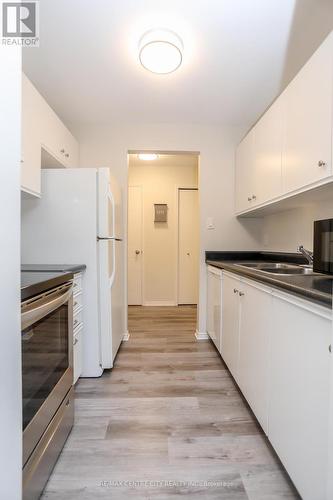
point(210, 223)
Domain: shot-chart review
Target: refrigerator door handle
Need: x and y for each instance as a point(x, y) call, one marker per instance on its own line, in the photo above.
point(108, 238)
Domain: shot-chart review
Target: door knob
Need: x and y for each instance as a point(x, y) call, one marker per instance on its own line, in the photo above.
point(188, 253)
point(137, 252)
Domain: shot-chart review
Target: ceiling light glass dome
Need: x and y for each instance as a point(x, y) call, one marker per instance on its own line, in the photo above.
point(161, 51)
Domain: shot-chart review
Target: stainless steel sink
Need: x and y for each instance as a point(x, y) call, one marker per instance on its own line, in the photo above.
point(279, 268)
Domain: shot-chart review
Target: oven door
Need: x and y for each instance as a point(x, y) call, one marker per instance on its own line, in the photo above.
point(47, 340)
point(323, 246)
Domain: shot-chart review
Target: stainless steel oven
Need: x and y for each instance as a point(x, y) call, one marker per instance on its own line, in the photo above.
point(323, 246)
point(47, 376)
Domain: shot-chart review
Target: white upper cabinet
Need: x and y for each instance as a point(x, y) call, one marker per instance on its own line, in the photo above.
point(290, 148)
point(31, 147)
point(268, 134)
point(307, 155)
point(56, 138)
point(245, 173)
point(42, 129)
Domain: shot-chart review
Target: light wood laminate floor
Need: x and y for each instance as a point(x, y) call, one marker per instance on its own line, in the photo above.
point(167, 422)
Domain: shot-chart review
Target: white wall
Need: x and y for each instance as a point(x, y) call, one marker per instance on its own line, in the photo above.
point(284, 231)
point(159, 185)
point(10, 330)
point(108, 146)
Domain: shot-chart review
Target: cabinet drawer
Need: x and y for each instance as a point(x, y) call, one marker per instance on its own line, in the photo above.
point(77, 317)
point(77, 286)
point(77, 302)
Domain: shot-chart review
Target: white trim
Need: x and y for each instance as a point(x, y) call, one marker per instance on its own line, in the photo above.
point(201, 335)
point(126, 337)
point(159, 303)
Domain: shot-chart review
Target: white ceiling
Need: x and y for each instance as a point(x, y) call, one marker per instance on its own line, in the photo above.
point(238, 56)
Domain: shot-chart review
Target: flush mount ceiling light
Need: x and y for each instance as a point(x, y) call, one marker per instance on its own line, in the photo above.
point(161, 51)
point(147, 156)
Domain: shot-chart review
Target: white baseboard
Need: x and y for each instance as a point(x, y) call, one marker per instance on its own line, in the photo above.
point(159, 303)
point(201, 335)
point(126, 337)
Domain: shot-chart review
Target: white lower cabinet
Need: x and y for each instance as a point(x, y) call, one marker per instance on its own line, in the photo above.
point(278, 349)
point(299, 379)
point(214, 302)
point(255, 326)
point(230, 323)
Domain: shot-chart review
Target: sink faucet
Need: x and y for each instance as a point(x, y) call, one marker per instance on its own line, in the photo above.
point(306, 253)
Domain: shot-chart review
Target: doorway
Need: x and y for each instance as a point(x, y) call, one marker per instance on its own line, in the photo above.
point(163, 229)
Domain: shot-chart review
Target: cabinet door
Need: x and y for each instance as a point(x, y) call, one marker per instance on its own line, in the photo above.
point(56, 138)
point(299, 394)
point(244, 185)
point(230, 323)
point(308, 131)
point(255, 326)
point(268, 153)
point(31, 145)
point(214, 324)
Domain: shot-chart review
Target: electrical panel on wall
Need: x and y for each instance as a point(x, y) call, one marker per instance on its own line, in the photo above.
point(161, 212)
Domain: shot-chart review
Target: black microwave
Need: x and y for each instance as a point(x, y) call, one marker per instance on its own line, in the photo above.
point(323, 246)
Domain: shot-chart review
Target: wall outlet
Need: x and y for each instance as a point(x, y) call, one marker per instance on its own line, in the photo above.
point(210, 223)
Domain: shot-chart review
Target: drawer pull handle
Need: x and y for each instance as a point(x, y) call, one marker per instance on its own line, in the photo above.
point(321, 163)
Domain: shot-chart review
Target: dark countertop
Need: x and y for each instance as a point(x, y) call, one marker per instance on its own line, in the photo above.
point(317, 288)
point(74, 268)
point(34, 283)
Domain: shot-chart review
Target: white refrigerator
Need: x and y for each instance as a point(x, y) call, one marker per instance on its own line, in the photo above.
point(78, 220)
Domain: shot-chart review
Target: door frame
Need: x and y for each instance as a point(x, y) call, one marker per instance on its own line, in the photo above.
point(189, 187)
point(159, 151)
point(142, 241)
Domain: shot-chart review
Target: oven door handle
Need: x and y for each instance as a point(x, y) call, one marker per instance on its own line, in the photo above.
point(39, 308)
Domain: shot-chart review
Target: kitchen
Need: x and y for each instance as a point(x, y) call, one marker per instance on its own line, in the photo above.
point(91, 105)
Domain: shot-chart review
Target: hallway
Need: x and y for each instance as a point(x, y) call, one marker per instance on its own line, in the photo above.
point(169, 418)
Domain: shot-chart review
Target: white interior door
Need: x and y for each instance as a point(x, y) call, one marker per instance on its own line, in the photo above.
point(188, 246)
point(135, 242)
